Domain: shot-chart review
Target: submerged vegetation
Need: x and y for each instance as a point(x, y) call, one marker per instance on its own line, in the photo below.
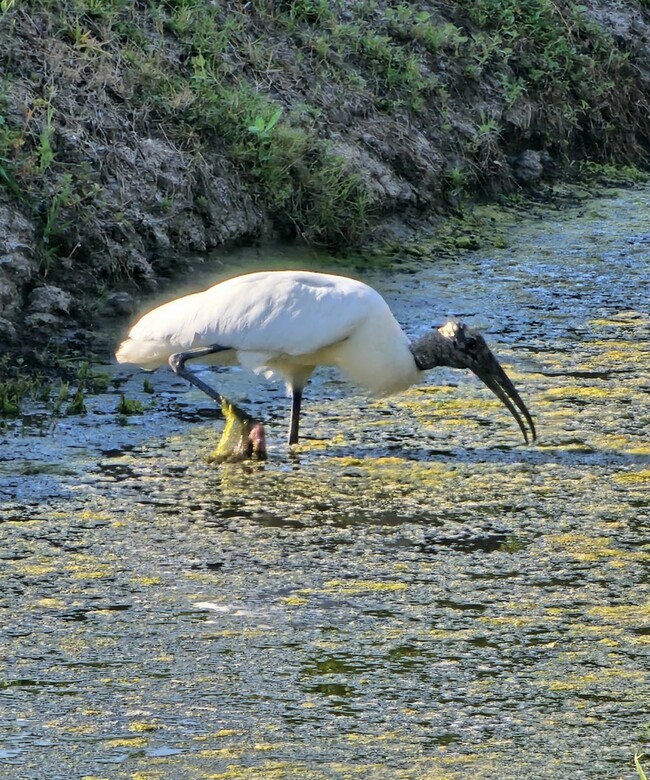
point(54, 397)
point(409, 594)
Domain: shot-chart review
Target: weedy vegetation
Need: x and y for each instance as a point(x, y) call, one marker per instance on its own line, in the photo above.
point(21, 386)
point(141, 130)
point(129, 406)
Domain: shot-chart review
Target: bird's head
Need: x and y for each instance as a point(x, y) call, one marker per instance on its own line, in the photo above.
point(457, 346)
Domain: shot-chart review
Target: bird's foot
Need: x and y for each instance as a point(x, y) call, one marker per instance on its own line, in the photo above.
point(256, 441)
point(242, 439)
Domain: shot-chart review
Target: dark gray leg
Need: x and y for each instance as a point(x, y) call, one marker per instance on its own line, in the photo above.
point(251, 442)
point(296, 399)
point(177, 365)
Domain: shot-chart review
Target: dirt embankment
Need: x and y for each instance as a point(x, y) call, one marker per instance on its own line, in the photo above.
point(134, 135)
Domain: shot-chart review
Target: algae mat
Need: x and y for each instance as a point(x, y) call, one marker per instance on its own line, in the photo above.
point(412, 594)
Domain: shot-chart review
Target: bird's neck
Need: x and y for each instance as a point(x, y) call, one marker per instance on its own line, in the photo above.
point(431, 350)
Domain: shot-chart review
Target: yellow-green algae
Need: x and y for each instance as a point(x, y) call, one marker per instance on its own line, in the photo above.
point(335, 552)
point(139, 726)
point(129, 742)
point(592, 394)
point(442, 767)
point(359, 586)
point(592, 548)
point(148, 582)
point(147, 775)
point(638, 477)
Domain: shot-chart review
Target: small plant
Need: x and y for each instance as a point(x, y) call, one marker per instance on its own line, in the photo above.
point(86, 382)
point(512, 90)
point(336, 203)
point(88, 379)
point(98, 383)
point(10, 143)
point(64, 197)
point(297, 12)
point(44, 149)
point(17, 387)
point(457, 182)
point(11, 396)
point(64, 392)
point(638, 767)
point(127, 406)
point(487, 128)
point(5, 7)
point(77, 405)
point(262, 127)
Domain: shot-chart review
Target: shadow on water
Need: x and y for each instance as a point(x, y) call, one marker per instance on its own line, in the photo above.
point(411, 593)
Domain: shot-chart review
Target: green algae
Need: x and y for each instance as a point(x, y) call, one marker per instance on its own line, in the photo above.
point(128, 742)
point(408, 594)
point(588, 393)
point(640, 477)
point(358, 586)
point(147, 775)
point(591, 548)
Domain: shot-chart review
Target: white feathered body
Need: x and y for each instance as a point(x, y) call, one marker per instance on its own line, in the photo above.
point(282, 324)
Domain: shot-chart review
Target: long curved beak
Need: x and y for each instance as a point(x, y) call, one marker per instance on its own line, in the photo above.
point(493, 376)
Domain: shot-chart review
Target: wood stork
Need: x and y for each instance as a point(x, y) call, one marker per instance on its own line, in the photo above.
point(283, 324)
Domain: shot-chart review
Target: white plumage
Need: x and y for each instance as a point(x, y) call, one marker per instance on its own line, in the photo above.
point(285, 323)
point(282, 324)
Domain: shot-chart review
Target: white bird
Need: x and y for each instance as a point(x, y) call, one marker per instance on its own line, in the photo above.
point(283, 324)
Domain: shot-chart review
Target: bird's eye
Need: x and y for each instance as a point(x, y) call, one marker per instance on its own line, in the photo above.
point(471, 344)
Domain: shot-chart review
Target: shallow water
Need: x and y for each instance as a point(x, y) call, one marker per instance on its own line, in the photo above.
point(413, 594)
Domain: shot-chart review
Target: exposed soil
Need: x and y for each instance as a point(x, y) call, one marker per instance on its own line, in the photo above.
point(135, 137)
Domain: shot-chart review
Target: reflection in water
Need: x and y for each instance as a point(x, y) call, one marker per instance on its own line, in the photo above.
point(411, 594)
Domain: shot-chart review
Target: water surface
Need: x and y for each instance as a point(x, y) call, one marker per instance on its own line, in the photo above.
point(413, 594)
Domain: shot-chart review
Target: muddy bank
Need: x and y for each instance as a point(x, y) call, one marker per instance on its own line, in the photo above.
point(135, 137)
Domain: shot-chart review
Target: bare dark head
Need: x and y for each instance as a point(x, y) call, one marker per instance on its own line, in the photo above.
point(457, 346)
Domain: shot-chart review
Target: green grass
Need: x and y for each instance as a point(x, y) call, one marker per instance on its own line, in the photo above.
point(273, 87)
point(129, 406)
point(21, 386)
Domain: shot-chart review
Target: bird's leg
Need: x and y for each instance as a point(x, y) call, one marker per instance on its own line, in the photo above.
point(296, 399)
point(177, 365)
point(247, 440)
